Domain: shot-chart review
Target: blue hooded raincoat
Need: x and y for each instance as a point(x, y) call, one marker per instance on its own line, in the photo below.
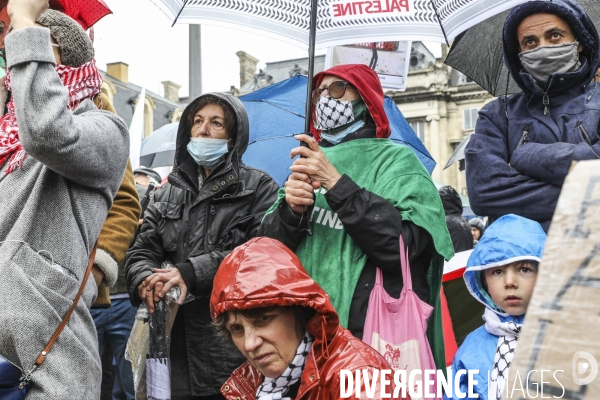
point(505, 176)
point(510, 239)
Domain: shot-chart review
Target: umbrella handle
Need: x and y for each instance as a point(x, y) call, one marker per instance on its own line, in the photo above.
point(304, 144)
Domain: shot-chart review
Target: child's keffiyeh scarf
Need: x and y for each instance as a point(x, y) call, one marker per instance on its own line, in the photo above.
point(83, 82)
point(275, 389)
point(507, 333)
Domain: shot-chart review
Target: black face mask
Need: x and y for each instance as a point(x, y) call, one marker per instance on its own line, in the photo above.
point(141, 190)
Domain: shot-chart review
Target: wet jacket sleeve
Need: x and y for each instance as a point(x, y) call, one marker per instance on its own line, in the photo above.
point(375, 224)
point(199, 272)
point(551, 162)
point(285, 225)
point(146, 254)
point(495, 187)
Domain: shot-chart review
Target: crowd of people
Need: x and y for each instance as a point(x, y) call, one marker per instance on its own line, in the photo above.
point(274, 283)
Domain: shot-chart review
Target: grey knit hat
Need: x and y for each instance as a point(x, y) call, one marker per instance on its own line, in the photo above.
point(76, 46)
point(478, 223)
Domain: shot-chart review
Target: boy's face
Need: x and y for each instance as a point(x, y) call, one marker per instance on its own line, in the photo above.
point(511, 286)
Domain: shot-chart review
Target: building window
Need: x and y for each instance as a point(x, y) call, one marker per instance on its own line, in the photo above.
point(419, 128)
point(465, 80)
point(469, 118)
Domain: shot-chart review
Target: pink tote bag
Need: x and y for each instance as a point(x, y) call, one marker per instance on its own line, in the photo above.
point(397, 328)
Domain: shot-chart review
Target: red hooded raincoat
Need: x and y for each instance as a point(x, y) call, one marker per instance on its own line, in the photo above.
point(264, 273)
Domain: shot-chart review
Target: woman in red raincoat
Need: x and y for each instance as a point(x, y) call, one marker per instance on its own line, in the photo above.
point(284, 323)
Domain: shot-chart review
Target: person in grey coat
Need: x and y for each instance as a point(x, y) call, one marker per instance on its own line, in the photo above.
point(61, 163)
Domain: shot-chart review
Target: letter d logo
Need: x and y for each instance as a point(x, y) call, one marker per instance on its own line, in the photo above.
point(581, 367)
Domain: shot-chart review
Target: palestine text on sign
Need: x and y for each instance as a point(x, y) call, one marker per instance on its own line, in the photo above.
point(371, 8)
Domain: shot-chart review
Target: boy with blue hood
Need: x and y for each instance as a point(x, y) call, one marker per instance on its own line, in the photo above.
point(501, 274)
point(524, 144)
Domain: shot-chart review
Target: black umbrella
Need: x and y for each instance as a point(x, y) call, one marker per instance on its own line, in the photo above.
point(477, 52)
point(158, 149)
point(158, 377)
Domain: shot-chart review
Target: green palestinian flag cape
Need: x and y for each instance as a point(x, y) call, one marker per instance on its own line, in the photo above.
point(393, 172)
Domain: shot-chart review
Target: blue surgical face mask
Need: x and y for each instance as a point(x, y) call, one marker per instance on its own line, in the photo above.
point(207, 152)
point(338, 137)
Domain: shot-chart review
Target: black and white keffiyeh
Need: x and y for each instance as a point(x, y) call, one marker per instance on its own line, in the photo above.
point(507, 333)
point(333, 113)
point(275, 389)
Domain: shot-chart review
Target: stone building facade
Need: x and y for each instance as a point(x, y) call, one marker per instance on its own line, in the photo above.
point(441, 104)
point(158, 110)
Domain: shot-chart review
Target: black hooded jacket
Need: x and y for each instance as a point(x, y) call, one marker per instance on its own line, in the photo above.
point(458, 227)
point(195, 228)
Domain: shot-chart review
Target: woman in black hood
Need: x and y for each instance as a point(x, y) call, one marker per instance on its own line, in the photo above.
point(211, 204)
point(458, 227)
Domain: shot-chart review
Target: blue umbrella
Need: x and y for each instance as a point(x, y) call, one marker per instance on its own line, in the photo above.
point(277, 114)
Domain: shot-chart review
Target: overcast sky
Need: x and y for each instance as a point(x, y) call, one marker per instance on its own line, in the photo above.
point(139, 34)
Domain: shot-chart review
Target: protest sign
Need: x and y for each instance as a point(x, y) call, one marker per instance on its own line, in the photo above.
point(390, 60)
point(558, 349)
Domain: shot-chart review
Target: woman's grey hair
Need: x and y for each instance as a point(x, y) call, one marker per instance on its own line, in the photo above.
point(301, 317)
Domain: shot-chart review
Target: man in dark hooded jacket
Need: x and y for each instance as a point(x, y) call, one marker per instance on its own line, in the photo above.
point(346, 203)
point(211, 204)
point(458, 227)
point(524, 144)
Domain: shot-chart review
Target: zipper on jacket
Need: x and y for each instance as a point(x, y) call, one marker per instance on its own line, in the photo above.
point(546, 98)
point(546, 102)
point(583, 133)
point(525, 137)
point(212, 210)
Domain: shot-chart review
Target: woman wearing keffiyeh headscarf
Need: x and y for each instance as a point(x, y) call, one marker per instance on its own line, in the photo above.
point(61, 163)
point(351, 196)
point(501, 274)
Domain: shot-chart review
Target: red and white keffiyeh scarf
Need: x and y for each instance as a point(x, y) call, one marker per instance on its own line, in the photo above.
point(83, 82)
